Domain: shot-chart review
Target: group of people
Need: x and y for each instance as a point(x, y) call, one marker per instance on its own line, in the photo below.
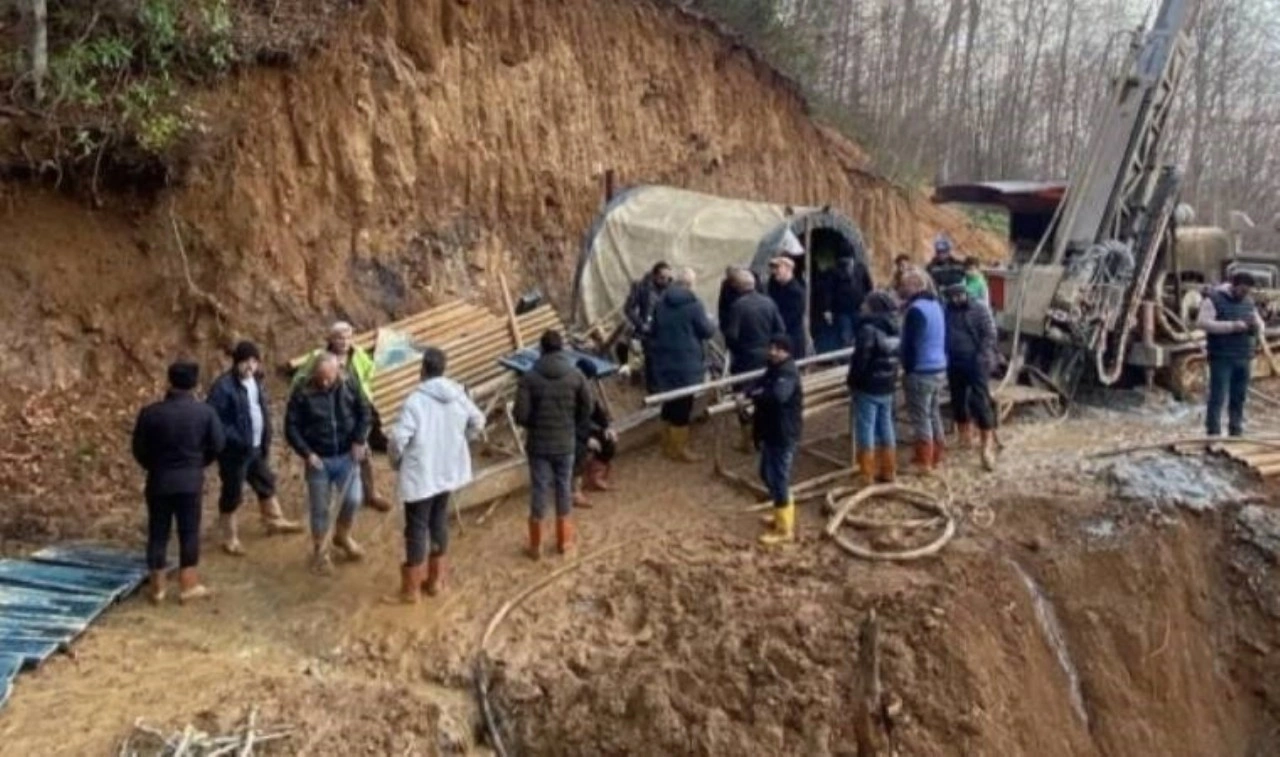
point(328, 422)
point(906, 333)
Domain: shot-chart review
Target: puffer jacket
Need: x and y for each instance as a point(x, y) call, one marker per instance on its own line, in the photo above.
point(675, 350)
point(779, 406)
point(552, 401)
point(326, 422)
point(971, 337)
point(428, 443)
point(876, 363)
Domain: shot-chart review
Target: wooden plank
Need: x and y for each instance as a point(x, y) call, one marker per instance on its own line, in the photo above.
point(512, 323)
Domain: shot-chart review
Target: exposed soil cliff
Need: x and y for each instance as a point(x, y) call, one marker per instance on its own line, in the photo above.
point(426, 146)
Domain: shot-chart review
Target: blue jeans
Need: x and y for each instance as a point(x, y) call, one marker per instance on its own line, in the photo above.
point(341, 473)
point(775, 471)
point(1228, 384)
point(548, 473)
point(845, 324)
point(873, 420)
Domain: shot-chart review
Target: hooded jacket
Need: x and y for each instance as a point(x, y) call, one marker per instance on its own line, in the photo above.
point(428, 443)
point(779, 402)
point(552, 401)
point(680, 326)
point(874, 367)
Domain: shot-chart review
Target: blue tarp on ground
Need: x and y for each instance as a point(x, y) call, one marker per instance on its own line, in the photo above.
point(522, 362)
point(49, 600)
point(9, 667)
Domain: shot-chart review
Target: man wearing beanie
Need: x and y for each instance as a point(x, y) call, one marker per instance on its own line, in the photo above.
point(174, 440)
point(240, 400)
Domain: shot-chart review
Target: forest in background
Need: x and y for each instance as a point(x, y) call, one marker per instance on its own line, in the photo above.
point(964, 90)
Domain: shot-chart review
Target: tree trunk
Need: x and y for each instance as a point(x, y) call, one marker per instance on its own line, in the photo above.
point(39, 46)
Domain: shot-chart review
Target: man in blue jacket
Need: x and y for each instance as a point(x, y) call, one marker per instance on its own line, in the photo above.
point(924, 361)
point(240, 400)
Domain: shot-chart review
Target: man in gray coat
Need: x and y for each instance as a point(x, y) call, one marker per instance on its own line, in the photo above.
point(552, 401)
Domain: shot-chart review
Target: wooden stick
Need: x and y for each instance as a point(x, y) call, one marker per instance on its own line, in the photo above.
point(516, 339)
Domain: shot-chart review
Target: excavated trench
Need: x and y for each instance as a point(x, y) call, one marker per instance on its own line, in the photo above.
point(1049, 635)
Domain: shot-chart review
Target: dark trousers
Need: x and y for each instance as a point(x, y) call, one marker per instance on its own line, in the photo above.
point(550, 474)
point(775, 471)
point(971, 396)
point(583, 454)
point(678, 412)
point(235, 470)
point(1229, 385)
point(426, 519)
point(162, 511)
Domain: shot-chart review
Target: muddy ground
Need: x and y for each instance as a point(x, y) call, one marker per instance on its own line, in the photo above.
point(1062, 620)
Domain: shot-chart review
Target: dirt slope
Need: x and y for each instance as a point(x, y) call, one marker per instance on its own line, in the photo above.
point(427, 146)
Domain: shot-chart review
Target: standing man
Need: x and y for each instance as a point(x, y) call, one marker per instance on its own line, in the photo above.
point(924, 361)
point(327, 424)
point(873, 380)
point(240, 400)
point(850, 285)
point(779, 422)
point(174, 441)
point(552, 402)
point(975, 281)
point(945, 269)
point(597, 442)
point(358, 369)
point(789, 295)
point(428, 448)
point(751, 323)
point(680, 326)
point(1232, 325)
point(971, 357)
point(642, 300)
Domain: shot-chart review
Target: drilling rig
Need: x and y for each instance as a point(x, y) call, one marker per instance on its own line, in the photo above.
point(1105, 269)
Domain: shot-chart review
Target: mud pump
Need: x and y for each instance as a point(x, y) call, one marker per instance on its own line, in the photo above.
point(1106, 272)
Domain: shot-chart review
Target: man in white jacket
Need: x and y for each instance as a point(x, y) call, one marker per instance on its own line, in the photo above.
point(428, 447)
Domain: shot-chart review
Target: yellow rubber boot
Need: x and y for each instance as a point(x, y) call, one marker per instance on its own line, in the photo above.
point(784, 527)
point(680, 446)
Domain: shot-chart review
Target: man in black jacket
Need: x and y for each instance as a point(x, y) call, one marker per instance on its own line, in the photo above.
point(552, 402)
point(174, 441)
point(850, 285)
point(971, 357)
point(779, 422)
point(752, 321)
point(945, 269)
point(326, 424)
point(873, 380)
point(597, 443)
point(680, 328)
point(638, 309)
point(240, 400)
point(789, 295)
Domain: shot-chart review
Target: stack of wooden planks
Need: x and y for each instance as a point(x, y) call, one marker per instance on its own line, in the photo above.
point(473, 355)
point(1264, 460)
point(472, 338)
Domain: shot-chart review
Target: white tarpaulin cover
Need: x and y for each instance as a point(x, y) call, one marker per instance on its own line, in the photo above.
point(648, 224)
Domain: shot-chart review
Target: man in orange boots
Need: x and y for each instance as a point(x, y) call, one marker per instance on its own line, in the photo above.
point(971, 357)
point(428, 447)
point(597, 445)
point(240, 400)
point(174, 440)
point(873, 380)
point(924, 361)
point(552, 401)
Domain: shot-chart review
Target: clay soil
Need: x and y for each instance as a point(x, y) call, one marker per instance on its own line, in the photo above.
point(692, 640)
